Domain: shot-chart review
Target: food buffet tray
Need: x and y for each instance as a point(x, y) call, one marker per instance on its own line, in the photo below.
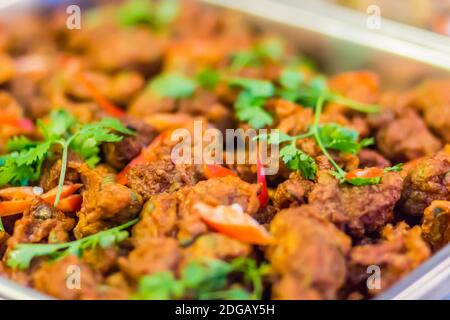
point(340, 40)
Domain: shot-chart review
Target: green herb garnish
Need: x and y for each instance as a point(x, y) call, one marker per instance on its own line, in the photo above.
point(173, 85)
point(156, 14)
point(21, 255)
point(24, 162)
point(204, 279)
point(249, 104)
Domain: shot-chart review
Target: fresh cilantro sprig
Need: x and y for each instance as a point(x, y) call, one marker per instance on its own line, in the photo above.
point(294, 87)
point(204, 279)
point(328, 136)
point(271, 49)
point(156, 14)
point(250, 102)
point(21, 255)
point(173, 85)
point(26, 157)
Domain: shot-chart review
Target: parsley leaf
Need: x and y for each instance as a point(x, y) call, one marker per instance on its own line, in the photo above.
point(157, 14)
point(21, 255)
point(363, 181)
point(24, 162)
point(250, 102)
point(208, 78)
point(257, 88)
point(173, 85)
point(266, 49)
point(336, 137)
point(295, 159)
point(397, 168)
point(291, 78)
point(204, 279)
point(90, 136)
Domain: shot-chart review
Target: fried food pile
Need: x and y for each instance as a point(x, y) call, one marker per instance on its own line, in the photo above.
point(89, 185)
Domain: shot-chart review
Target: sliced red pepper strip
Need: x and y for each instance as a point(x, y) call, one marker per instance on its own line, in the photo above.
point(25, 125)
point(98, 97)
point(8, 208)
point(216, 171)
point(144, 157)
point(14, 193)
point(261, 179)
point(372, 172)
point(71, 203)
point(232, 222)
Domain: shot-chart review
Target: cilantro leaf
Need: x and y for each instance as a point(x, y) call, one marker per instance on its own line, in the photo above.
point(257, 88)
point(208, 78)
point(291, 78)
point(250, 102)
point(204, 279)
point(59, 124)
point(270, 48)
point(34, 154)
point(397, 168)
point(19, 143)
point(257, 117)
point(88, 138)
point(173, 85)
point(363, 181)
point(336, 137)
point(156, 14)
point(296, 159)
point(21, 255)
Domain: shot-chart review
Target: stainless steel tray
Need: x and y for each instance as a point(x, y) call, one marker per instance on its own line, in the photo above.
point(340, 40)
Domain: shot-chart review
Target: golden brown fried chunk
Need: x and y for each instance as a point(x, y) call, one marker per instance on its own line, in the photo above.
point(309, 255)
point(155, 255)
point(162, 175)
point(292, 192)
point(407, 138)
point(356, 209)
point(432, 99)
point(436, 224)
point(40, 223)
point(401, 251)
point(105, 203)
point(52, 279)
point(172, 215)
point(427, 181)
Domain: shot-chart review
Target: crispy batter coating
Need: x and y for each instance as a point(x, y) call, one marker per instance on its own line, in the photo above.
point(309, 255)
point(357, 209)
point(400, 251)
point(429, 180)
point(436, 224)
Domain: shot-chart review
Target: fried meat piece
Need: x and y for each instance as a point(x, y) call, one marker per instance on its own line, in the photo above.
point(429, 180)
point(105, 203)
point(292, 192)
point(309, 256)
point(432, 99)
point(399, 252)
point(119, 154)
point(406, 138)
point(172, 215)
point(162, 175)
point(53, 278)
point(42, 222)
point(436, 224)
point(357, 210)
point(153, 255)
point(371, 158)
